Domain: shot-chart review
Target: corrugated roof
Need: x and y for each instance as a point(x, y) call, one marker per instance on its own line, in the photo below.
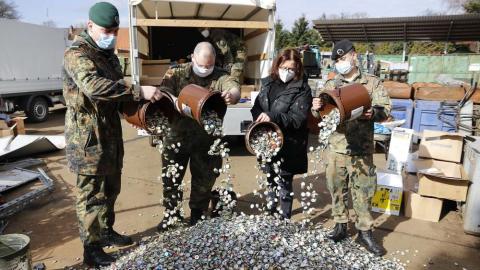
point(425, 28)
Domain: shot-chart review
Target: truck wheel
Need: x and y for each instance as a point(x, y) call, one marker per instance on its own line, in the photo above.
point(37, 110)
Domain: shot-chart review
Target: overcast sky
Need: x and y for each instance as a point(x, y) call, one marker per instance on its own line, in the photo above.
point(67, 12)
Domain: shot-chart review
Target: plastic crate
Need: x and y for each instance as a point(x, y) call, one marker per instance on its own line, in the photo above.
point(403, 109)
point(425, 117)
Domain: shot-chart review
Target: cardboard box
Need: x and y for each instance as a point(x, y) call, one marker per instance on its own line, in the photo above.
point(411, 166)
point(6, 130)
point(400, 143)
point(423, 208)
point(20, 121)
point(388, 195)
point(443, 180)
point(17, 123)
point(441, 145)
point(410, 182)
point(155, 68)
point(245, 90)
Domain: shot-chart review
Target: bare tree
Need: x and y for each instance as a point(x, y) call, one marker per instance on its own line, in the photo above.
point(8, 10)
point(343, 15)
point(455, 6)
point(49, 23)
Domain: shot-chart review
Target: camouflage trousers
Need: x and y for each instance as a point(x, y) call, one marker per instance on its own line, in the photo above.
point(95, 205)
point(193, 149)
point(357, 173)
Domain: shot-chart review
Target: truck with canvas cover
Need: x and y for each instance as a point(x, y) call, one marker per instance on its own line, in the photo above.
point(30, 68)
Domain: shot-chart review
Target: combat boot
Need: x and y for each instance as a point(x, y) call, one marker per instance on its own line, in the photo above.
point(111, 238)
point(339, 232)
point(366, 239)
point(94, 256)
point(170, 221)
point(195, 216)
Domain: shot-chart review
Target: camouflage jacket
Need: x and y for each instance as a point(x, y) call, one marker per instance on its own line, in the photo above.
point(179, 76)
point(230, 50)
point(356, 137)
point(93, 88)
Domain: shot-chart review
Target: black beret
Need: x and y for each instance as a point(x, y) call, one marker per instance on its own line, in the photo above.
point(341, 48)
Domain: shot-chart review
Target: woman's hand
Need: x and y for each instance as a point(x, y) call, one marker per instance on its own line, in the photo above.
point(368, 114)
point(263, 117)
point(317, 104)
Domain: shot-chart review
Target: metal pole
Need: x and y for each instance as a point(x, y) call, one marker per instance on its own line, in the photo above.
point(445, 51)
point(404, 53)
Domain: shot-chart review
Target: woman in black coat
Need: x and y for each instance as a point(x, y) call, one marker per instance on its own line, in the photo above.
point(285, 99)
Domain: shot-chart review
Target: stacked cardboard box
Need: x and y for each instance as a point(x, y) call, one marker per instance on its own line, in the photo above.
point(388, 195)
point(423, 180)
point(439, 175)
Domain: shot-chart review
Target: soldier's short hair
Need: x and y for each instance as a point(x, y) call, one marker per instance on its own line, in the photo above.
point(202, 46)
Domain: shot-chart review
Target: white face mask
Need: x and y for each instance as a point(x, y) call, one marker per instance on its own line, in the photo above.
point(285, 75)
point(201, 71)
point(344, 67)
point(205, 33)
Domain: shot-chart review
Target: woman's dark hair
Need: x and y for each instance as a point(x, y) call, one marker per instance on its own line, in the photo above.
point(288, 54)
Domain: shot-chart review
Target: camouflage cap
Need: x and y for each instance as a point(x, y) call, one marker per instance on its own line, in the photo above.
point(104, 14)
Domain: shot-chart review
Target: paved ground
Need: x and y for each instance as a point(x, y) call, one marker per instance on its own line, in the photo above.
point(51, 223)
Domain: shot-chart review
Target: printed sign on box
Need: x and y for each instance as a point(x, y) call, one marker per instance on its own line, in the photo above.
point(399, 149)
point(388, 195)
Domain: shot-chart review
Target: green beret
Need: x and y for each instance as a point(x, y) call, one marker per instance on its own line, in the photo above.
point(104, 14)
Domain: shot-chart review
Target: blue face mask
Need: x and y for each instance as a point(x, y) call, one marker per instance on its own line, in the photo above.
point(106, 42)
point(343, 67)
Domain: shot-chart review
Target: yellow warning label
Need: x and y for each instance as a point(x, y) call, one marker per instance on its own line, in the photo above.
point(387, 200)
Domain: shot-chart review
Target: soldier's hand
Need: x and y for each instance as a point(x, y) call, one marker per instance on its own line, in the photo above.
point(227, 96)
point(151, 93)
point(317, 104)
point(263, 117)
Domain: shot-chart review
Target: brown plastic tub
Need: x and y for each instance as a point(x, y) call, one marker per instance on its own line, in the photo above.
point(256, 125)
point(194, 99)
point(351, 100)
point(136, 112)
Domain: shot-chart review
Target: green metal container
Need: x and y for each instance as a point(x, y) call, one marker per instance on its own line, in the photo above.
point(426, 68)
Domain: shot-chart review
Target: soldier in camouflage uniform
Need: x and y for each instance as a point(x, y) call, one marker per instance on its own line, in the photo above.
point(230, 50)
point(350, 163)
point(194, 141)
point(93, 89)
